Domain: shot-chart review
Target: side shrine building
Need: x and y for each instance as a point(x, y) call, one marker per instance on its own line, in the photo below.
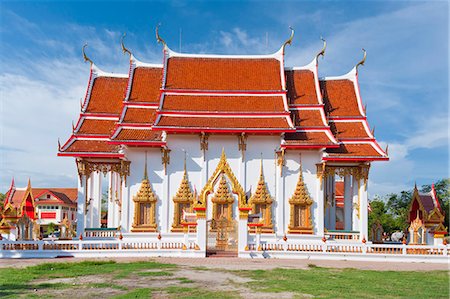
point(225, 150)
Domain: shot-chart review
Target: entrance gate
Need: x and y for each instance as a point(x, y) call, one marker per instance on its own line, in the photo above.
point(222, 237)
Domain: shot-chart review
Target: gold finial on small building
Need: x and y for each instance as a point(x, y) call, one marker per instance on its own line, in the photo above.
point(85, 56)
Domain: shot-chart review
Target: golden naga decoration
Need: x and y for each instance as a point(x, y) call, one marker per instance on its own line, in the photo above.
point(289, 40)
point(223, 168)
point(358, 172)
point(222, 201)
point(158, 38)
point(362, 60)
point(261, 202)
point(322, 52)
point(124, 49)
point(300, 208)
point(204, 142)
point(183, 200)
point(85, 56)
point(145, 206)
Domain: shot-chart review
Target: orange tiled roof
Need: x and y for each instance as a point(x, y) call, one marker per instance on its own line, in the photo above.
point(224, 122)
point(307, 138)
point(354, 150)
point(101, 146)
point(220, 103)
point(223, 74)
point(107, 95)
point(146, 85)
point(67, 195)
point(307, 118)
point(348, 130)
point(340, 98)
point(96, 126)
point(301, 87)
point(139, 115)
point(138, 134)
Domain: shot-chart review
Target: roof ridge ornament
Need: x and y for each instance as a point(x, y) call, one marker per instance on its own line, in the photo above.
point(322, 52)
point(85, 56)
point(289, 41)
point(158, 38)
point(124, 49)
point(59, 145)
point(362, 60)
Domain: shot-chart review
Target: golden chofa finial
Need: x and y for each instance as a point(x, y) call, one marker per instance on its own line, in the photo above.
point(59, 145)
point(85, 56)
point(322, 52)
point(362, 60)
point(124, 49)
point(387, 149)
point(158, 38)
point(289, 41)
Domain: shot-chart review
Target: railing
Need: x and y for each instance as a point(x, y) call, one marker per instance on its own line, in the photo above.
point(101, 233)
point(350, 248)
point(342, 235)
point(95, 245)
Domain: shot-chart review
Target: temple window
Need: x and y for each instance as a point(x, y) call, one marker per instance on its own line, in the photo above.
point(261, 203)
point(300, 212)
point(183, 200)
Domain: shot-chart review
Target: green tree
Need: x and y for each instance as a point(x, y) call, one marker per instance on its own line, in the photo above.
point(51, 228)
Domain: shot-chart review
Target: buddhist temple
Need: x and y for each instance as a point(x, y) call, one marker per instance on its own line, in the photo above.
point(426, 218)
point(223, 139)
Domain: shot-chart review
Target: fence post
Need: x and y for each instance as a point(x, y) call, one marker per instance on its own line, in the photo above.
point(80, 245)
point(40, 245)
point(404, 249)
point(445, 251)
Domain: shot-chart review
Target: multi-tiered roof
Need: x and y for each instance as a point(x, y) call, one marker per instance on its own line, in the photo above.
point(223, 94)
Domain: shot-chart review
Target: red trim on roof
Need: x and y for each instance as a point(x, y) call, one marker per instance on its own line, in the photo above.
point(196, 91)
point(111, 115)
point(207, 130)
point(355, 159)
point(87, 155)
point(139, 143)
point(217, 113)
point(312, 146)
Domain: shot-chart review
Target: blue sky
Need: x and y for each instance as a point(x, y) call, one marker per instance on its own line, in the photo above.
point(404, 81)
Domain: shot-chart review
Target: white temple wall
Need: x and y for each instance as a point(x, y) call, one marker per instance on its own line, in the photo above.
point(291, 174)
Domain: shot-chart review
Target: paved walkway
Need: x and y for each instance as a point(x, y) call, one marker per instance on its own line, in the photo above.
point(245, 264)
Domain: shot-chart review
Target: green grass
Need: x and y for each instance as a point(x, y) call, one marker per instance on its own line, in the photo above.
point(14, 281)
point(314, 281)
point(158, 273)
point(351, 283)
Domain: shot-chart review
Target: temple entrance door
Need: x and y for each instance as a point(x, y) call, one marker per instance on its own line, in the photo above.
point(222, 238)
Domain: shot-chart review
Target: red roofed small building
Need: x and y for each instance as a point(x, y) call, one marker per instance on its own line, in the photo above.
point(207, 130)
point(426, 218)
point(38, 207)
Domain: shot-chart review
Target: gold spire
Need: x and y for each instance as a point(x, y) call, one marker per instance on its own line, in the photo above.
point(261, 194)
point(222, 194)
point(301, 195)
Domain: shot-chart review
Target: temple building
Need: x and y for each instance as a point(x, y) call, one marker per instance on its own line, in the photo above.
point(223, 149)
point(426, 218)
point(27, 212)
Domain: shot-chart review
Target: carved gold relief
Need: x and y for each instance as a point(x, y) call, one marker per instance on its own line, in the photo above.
point(300, 208)
point(183, 200)
point(85, 168)
point(223, 168)
point(261, 202)
point(145, 207)
point(281, 159)
point(165, 157)
point(242, 143)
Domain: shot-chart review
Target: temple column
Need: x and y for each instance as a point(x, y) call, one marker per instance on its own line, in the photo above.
point(355, 216)
point(363, 212)
point(89, 201)
point(201, 230)
point(320, 201)
point(97, 200)
point(165, 205)
point(124, 223)
point(81, 204)
point(116, 199)
point(242, 231)
point(282, 206)
point(111, 203)
point(331, 203)
point(348, 202)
